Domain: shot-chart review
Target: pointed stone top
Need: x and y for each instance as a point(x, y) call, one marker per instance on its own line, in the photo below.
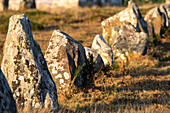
point(99, 37)
point(19, 28)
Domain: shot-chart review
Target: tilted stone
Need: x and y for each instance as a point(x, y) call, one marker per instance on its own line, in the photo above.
point(127, 39)
point(25, 67)
point(7, 102)
point(64, 56)
point(98, 62)
point(156, 18)
point(130, 14)
point(104, 50)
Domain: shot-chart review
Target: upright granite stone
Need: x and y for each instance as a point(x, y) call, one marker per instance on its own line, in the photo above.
point(104, 50)
point(98, 62)
point(127, 39)
point(25, 68)
point(64, 56)
point(130, 14)
point(21, 4)
point(7, 102)
point(156, 18)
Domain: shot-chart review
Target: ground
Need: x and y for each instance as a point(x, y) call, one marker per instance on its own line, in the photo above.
point(142, 84)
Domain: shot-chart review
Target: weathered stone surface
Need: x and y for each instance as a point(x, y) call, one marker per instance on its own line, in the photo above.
point(130, 14)
point(165, 15)
point(64, 55)
point(156, 18)
point(21, 4)
point(7, 102)
point(98, 62)
point(25, 67)
point(126, 38)
point(104, 50)
point(167, 7)
point(3, 5)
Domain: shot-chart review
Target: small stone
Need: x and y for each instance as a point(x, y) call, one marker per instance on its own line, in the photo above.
point(98, 62)
point(156, 18)
point(104, 50)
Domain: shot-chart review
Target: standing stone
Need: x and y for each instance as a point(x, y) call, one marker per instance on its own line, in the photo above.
point(165, 15)
point(98, 62)
point(44, 5)
point(3, 5)
point(167, 7)
point(126, 39)
point(7, 102)
point(21, 4)
point(104, 50)
point(156, 18)
point(24, 66)
point(64, 56)
point(130, 14)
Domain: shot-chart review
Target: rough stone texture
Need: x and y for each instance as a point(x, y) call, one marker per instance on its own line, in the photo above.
point(3, 5)
point(21, 4)
point(165, 15)
point(99, 64)
point(130, 14)
point(157, 19)
point(64, 55)
point(24, 66)
point(167, 7)
point(104, 50)
point(7, 102)
point(126, 38)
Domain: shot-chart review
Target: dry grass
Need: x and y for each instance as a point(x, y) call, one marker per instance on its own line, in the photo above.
point(139, 85)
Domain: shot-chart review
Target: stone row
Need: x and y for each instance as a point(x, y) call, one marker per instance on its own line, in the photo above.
point(33, 77)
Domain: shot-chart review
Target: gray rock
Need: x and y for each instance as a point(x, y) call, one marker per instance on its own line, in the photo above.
point(127, 39)
point(64, 56)
point(7, 102)
point(24, 66)
point(130, 14)
point(156, 18)
point(98, 62)
point(104, 50)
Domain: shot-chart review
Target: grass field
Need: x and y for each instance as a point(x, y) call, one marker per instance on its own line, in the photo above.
point(142, 84)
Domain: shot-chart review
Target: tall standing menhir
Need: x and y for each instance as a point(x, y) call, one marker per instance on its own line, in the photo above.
point(25, 67)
